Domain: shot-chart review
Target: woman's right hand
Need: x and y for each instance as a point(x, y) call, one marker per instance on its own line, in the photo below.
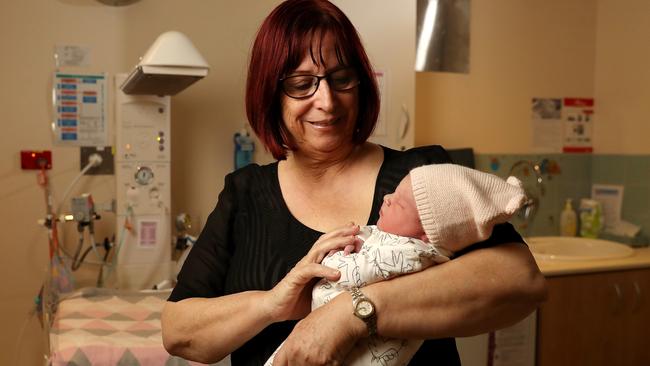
point(290, 299)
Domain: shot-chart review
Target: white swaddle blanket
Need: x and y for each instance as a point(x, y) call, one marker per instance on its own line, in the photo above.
point(382, 256)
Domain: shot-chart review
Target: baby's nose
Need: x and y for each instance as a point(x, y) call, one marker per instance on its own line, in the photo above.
point(387, 199)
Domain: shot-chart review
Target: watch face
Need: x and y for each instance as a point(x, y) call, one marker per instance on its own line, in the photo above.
point(365, 309)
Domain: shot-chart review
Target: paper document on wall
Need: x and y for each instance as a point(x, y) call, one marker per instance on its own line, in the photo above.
point(546, 125)
point(611, 197)
point(578, 115)
point(80, 110)
point(514, 345)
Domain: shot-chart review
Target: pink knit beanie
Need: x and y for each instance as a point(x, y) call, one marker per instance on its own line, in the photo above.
point(459, 206)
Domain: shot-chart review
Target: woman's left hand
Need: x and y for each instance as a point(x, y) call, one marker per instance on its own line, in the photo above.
point(324, 337)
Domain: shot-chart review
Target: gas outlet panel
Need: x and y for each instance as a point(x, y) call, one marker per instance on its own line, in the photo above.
point(143, 178)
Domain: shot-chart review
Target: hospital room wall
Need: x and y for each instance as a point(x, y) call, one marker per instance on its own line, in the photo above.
point(518, 50)
point(204, 119)
point(622, 77)
point(555, 48)
point(29, 29)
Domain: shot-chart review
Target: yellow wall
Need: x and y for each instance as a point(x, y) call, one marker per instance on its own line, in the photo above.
point(554, 48)
point(622, 87)
point(519, 50)
point(29, 30)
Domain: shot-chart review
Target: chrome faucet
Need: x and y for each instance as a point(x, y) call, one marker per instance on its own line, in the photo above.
point(532, 203)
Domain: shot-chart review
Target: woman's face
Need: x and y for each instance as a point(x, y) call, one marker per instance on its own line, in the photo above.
point(323, 123)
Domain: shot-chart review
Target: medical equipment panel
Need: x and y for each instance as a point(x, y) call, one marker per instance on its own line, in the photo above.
point(143, 177)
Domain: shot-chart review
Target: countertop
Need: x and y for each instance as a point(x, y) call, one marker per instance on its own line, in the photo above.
point(640, 259)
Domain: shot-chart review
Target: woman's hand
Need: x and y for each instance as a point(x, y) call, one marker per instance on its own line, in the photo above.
point(325, 337)
point(291, 298)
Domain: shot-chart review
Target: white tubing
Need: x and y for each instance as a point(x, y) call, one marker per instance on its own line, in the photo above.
point(93, 244)
point(93, 161)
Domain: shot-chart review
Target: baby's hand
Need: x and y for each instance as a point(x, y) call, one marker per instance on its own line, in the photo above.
point(350, 248)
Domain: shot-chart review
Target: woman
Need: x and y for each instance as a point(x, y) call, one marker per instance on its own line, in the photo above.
point(312, 100)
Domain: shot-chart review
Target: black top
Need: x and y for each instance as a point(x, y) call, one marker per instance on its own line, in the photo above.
point(251, 241)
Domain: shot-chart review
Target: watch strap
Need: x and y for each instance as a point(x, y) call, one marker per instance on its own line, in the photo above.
point(371, 321)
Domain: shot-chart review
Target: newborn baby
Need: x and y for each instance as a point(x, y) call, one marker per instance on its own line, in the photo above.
point(435, 211)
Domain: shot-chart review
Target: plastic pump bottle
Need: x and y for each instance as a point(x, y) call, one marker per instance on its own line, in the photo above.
point(568, 220)
point(244, 148)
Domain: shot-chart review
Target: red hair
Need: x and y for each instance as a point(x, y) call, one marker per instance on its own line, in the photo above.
point(281, 43)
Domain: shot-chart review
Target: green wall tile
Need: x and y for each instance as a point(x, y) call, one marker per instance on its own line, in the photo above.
point(608, 169)
point(578, 173)
point(637, 170)
point(635, 200)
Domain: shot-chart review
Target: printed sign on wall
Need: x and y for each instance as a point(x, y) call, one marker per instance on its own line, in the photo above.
point(562, 125)
point(546, 126)
point(80, 110)
point(578, 115)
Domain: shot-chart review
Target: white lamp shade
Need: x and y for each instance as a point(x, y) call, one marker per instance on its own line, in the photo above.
point(171, 64)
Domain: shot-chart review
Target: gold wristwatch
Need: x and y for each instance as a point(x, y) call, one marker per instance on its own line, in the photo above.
point(364, 309)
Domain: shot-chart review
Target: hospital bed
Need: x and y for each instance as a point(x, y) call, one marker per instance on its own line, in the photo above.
point(99, 326)
point(103, 326)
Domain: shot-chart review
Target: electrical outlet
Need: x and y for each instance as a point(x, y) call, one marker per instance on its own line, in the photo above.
point(106, 168)
point(35, 160)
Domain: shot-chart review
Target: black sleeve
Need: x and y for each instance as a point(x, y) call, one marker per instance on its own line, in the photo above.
point(501, 234)
point(204, 271)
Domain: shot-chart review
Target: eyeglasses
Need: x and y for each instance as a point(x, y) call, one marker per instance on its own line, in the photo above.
point(304, 86)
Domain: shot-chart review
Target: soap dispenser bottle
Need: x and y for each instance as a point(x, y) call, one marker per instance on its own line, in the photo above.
point(568, 220)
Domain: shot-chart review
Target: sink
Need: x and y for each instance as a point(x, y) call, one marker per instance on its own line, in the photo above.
point(562, 248)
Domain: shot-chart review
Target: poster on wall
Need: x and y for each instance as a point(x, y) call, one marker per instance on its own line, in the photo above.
point(546, 128)
point(562, 125)
point(80, 109)
point(578, 116)
point(514, 345)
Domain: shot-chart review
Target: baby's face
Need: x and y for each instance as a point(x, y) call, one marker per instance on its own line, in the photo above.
point(399, 214)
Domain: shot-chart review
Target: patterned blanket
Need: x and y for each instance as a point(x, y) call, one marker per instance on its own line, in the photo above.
point(109, 328)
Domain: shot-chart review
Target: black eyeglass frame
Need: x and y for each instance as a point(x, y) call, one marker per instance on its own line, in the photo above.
point(318, 79)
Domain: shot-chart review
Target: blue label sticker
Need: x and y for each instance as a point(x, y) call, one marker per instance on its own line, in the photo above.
point(67, 122)
point(68, 136)
point(68, 109)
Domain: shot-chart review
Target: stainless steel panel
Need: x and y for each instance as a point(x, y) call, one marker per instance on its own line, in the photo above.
point(443, 36)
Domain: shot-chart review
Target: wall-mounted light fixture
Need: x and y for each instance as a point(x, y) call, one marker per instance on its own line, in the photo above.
point(171, 64)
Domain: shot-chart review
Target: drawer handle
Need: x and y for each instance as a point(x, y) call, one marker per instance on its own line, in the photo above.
point(637, 296)
point(619, 298)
